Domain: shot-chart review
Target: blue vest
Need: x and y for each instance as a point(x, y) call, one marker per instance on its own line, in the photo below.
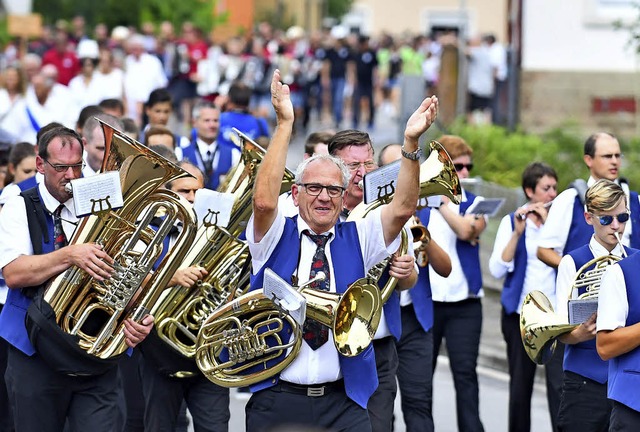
point(421, 293)
point(582, 358)
point(12, 327)
point(514, 281)
point(246, 123)
point(624, 370)
point(635, 219)
point(580, 231)
point(392, 308)
point(191, 153)
point(359, 372)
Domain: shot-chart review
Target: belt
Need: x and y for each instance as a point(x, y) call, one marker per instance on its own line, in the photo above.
point(311, 390)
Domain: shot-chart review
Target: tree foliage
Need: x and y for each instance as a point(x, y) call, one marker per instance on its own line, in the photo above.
point(337, 8)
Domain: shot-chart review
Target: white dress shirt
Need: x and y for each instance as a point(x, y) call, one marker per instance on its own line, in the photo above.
point(567, 274)
point(14, 226)
point(453, 288)
point(538, 275)
point(613, 306)
point(321, 365)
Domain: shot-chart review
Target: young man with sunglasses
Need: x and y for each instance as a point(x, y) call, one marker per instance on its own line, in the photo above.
point(320, 387)
point(583, 404)
point(457, 306)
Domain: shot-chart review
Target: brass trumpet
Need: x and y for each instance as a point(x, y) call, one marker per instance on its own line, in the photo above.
point(422, 236)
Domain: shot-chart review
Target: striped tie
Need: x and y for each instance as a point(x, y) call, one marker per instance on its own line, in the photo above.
point(314, 333)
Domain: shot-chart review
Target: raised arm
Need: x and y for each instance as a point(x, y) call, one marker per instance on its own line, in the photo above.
point(269, 176)
point(403, 204)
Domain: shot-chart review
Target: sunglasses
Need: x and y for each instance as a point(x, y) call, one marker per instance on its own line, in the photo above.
point(608, 219)
point(461, 166)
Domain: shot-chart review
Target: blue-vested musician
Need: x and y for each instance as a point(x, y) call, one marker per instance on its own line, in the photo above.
point(321, 387)
point(583, 405)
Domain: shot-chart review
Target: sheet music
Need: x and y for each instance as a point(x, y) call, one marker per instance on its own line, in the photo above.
point(581, 310)
point(487, 206)
point(381, 182)
point(284, 295)
point(100, 192)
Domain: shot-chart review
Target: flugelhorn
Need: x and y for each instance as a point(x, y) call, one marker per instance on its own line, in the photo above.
point(437, 177)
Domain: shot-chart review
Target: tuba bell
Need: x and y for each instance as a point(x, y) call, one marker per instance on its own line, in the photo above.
point(182, 310)
point(437, 177)
point(240, 345)
point(540, 326)
point(94, 312)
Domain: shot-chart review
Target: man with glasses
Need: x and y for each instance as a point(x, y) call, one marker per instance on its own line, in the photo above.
point(85, 402)
point(355, 149)
point(583, 405)
point(566, 228)
point(322, 388)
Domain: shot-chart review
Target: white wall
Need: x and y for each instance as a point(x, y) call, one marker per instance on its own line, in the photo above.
point(576, 35)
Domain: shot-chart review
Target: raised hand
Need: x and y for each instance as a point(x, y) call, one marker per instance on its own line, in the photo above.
point(281, 98)
point(422, 118)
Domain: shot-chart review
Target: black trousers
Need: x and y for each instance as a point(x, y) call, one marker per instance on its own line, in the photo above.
point(415, 369)
point(207, 402)
point(380, 404)
point(623, 418)
point(584, 406)
point(281, 408)
point(522, 373)
point(6, 417)
point(133, 398)
point(42, 399)
point(460, 323)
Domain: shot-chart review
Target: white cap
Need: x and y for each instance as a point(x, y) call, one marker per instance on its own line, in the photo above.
point(339, 32)
point(295, 32)
point(120, 33)
point(88, 48)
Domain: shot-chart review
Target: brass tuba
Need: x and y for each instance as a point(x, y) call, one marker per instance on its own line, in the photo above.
point(540, 326)
point(182, 310)
point(95, 311)
point(234, 343)
point(437, 177)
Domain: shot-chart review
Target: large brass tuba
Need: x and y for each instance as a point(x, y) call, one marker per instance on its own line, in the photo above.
point(234, 343)
point(437, 177)
point(182, 310)
point(95, 311)
point(540, 326)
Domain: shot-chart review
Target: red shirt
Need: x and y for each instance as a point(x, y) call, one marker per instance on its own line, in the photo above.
point(67, 63)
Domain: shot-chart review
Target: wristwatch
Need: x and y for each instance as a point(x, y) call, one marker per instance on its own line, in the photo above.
point(416, 155)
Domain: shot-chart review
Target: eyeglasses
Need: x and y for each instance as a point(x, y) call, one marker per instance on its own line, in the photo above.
point(64, 167)
point(608, 219)
point(315, 189)
point(461, 166)
point(368, 165)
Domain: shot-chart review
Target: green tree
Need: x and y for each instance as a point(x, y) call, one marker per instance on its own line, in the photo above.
point(337, 8)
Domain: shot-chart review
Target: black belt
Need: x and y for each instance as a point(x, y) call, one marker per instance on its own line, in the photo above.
point(311, 390)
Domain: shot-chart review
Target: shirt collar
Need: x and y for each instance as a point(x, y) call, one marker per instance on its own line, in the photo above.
point(203, 146)
point(50, 203)
point(302, 225)
point(598, 250)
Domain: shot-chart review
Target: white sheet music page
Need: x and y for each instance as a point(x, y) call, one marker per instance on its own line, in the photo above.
point(213, 208)
point(284, 295)
point(100, 192)
point(381, 182)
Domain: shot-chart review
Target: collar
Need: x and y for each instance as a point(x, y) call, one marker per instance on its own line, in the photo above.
point(302, 225)
point(203, 146)
point(51, 204)
point(598, 250)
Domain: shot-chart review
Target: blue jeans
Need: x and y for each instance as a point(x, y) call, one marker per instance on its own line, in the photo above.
point(337, 98)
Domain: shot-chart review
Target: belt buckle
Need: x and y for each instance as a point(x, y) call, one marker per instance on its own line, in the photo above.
point(315, 391)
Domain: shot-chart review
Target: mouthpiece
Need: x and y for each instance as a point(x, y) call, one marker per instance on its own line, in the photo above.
point(319, 277)
point(361, 184)
point(68, 189)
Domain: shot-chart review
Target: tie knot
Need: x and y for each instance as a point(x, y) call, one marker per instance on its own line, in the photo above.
point(58, 210)
point(319, 239)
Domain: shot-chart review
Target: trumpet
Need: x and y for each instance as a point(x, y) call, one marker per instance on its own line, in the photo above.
point(421, 238)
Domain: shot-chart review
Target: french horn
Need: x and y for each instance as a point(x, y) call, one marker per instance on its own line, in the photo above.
point(95, 311)
point(540, 326)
